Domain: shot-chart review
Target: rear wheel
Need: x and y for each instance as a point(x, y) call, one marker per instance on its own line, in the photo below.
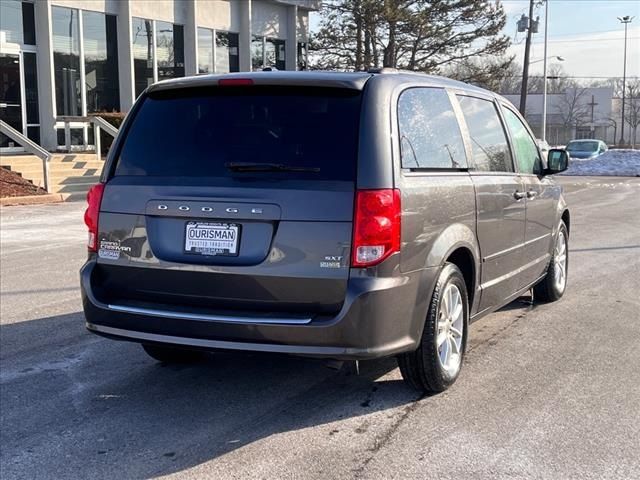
point(553, 285)
point(436, 364)
point(167, 354)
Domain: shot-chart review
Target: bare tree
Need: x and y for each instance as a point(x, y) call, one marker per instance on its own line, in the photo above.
point(632, 109)
point(494, 74)
point(557, 80)
point(572, 108)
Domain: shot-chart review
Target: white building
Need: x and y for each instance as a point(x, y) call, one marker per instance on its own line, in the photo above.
point(77, 57)
point(576, 113)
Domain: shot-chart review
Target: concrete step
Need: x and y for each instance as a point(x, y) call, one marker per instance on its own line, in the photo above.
point(55, 158)
point(76, 164)
point(75, 197)
point(75, 179)
point(74, 157)
point(68, 172)
point(72, 187)
point(16, 163)
point(60, 170)
point(34, 162)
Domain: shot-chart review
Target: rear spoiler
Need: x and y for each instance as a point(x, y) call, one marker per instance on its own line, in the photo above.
point(352, 81)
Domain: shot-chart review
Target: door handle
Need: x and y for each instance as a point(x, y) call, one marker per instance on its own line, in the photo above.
point(518, 195)
point(532, 194)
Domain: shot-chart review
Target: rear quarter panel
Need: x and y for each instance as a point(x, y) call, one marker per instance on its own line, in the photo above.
point(438, 213)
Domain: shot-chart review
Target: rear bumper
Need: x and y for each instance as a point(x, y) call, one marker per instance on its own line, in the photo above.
point(380, 317)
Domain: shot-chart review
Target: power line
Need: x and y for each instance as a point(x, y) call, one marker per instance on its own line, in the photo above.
point(590, 32)
point(582, 40)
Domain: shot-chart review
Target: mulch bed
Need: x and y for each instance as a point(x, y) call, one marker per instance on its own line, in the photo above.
point(13, 185)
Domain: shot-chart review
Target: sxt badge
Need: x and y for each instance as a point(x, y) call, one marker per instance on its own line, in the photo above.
point(331, 261)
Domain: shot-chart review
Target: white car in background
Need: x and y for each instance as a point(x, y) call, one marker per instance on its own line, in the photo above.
point(586, 149)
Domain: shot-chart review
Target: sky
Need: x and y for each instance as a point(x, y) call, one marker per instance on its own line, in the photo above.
point(586, 33)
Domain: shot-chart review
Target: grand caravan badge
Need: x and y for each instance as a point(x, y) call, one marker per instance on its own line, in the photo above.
point(111, 249)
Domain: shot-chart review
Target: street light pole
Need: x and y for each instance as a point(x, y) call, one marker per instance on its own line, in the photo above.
point(626, 20)
point(544, 72)
point(525, 68)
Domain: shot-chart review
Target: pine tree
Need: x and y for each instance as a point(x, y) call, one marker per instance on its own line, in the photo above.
point(419, 35)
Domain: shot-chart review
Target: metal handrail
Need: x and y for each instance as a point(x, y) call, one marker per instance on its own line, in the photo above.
point(99, 123)
point(31, 147)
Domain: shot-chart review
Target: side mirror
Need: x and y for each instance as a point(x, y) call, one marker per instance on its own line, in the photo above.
point(557, 161)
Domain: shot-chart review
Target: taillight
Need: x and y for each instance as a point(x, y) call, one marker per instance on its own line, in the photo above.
point(376, 229)
point(94, 198)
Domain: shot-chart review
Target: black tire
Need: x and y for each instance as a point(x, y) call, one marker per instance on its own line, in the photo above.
point(169, 354)
point(422, 368)
point(547, 290)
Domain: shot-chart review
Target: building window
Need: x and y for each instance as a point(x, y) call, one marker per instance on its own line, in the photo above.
point(83, 84)
point(267, 52)
point(31, 96)
point(275, 53)
point(169, 50)
point(17, 21)
point(101, 62)
point(221, 57)
point(227, 57)
point(257, 53)
point(205, 51)
point(302, 55)
point(142, 31)
point(66, 60)
point(157, 60)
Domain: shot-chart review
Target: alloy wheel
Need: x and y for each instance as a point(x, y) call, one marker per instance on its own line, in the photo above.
point(450, 329)
point(560, 259)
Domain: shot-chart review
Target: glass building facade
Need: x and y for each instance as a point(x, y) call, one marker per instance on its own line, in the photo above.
point(217, 51)
point(63, 60)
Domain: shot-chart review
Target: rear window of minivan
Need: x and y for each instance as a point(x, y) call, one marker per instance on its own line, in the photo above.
point(201, 132)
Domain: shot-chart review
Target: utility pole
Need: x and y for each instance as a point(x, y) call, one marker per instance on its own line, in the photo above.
point(626, 20)
point(525, 68)
point(593, 105)
point(544, 72)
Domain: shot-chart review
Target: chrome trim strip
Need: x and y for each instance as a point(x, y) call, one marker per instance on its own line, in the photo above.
point(220, 344)
point(507, 276)
point(207, 318)
point(515, 247)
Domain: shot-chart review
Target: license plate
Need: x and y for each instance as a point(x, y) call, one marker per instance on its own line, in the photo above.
point(212, 238)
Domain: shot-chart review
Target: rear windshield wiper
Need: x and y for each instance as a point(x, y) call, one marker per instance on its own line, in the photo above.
point(267, 167)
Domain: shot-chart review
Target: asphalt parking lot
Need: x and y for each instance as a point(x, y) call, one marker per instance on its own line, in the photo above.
point(547, 391)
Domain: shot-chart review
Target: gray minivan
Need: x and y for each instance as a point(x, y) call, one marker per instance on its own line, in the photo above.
point(339, 215)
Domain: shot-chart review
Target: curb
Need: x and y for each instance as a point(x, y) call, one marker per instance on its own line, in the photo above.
point(33, 199)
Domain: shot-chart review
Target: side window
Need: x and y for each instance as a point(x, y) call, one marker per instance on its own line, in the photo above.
point(527, 154)
point(490, 150)
point(429, 132)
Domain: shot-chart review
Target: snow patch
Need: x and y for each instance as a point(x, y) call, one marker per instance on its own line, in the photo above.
point(620, 163)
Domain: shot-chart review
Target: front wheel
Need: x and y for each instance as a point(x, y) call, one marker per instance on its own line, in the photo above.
point(553, 285)
point(436, 364)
